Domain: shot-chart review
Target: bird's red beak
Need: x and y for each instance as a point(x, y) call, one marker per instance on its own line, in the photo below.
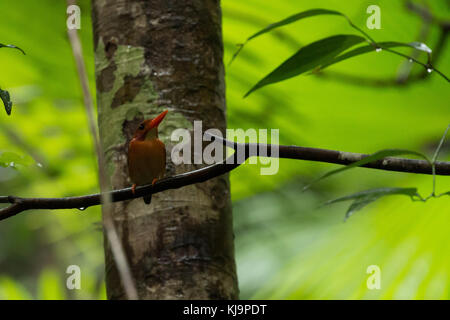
point(156, 121)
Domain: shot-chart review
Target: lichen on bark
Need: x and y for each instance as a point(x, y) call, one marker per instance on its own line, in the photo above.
point(124, 81)
point(153, 55)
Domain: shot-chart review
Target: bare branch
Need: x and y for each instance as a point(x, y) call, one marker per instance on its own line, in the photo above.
point(215, 170)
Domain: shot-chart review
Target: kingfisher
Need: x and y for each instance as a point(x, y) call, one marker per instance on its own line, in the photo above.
point(147, 155)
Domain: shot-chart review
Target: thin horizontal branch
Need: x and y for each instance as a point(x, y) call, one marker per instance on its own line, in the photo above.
point(83, 202)
point(251, 149)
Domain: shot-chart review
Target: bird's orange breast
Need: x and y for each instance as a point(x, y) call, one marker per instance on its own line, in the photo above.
point(146, 161)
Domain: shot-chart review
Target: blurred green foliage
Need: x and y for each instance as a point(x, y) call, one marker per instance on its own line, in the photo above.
point(287, 245)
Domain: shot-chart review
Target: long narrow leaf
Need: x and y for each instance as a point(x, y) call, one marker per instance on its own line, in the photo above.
point(386, 45)
point(11, 46)
point(4, 96)
point(374, 157)
point(308, 58)
point(294, 18)
point(363, 198)
point(369, 48)
point(374, 45)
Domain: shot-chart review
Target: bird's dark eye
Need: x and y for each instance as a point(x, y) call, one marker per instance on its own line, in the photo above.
point(141, 127)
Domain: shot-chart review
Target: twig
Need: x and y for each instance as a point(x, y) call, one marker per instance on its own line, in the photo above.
point(406, 68)
point(251, 149)
point(428, 18)
point(111, 232)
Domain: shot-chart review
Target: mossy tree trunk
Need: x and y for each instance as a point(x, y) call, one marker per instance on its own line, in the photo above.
point(153, 55)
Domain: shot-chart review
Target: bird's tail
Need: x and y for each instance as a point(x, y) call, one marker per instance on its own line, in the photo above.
point(148, 198)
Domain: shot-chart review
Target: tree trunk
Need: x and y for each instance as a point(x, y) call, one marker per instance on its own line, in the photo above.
point(153, 55)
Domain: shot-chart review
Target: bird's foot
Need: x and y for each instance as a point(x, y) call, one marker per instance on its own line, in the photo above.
point(133, 188)
point(154, 181)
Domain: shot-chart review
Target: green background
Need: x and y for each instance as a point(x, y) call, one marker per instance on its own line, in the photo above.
point(287, 245)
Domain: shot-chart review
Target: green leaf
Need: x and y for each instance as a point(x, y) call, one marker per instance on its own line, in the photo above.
point(294, 18)
point(420, 46)
point(11, 46)
point(363, 198)
point(4, 95)
point(374, 157)
point(372, 48)
point(11, 159)
point(374, 45)
point(308, 58)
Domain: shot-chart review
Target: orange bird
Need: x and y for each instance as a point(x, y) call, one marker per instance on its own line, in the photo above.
point(147, 155)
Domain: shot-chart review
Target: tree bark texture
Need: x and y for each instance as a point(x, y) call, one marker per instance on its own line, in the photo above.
point(152, 55)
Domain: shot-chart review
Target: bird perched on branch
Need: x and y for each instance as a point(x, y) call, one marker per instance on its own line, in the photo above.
point(147, 155)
